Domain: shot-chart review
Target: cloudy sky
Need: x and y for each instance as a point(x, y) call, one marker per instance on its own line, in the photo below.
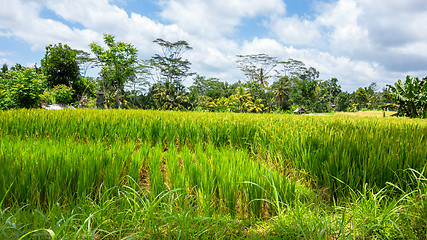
point(356, 41)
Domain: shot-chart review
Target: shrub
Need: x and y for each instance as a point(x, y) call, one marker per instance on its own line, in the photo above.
point(62, 94)
point(21, 89)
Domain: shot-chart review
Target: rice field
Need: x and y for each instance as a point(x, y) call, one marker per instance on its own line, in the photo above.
point(150, 173)
point(377, 114)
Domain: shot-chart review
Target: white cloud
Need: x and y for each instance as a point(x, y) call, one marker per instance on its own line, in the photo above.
point(3, 61)
point(98, 15)
point(343, 32)
point(210, 19)
point(335, 26)
point(296, 31)
point(21, 19)
point(364, 40)
point(357, 41)
point(396, 32)
point(265, 45)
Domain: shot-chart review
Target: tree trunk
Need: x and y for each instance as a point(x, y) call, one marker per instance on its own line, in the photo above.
point(118, 99)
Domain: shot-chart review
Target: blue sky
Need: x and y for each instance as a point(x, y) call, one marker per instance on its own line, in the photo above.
point(356, 41)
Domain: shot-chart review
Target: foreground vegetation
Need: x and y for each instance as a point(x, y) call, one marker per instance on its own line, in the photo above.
point(147, 174)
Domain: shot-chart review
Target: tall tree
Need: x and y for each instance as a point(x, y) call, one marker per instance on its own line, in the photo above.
point(291, 68)
point(329, 92)
point(361, 98)
point(85, 61)
point(170, 66)
point(60, 65)
point(281, 89)
point(257, 67)
point(310, 74)
point(305, 86)
point(119, 64)
point(241, 100)
point(374, 97)
point(168, 97)
point(343, 101)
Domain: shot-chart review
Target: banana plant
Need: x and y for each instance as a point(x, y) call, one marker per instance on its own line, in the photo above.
point(411, 96)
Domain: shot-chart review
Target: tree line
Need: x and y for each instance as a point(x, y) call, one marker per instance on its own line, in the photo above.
point(124, 81)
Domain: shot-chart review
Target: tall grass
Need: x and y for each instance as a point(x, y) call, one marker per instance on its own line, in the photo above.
point(188, 165)
point(134, 212)
point(333, 152)
point(43, 172)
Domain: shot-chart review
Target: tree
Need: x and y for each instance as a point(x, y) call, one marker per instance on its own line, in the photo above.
point(241, 100)
point(304, 92)
point(411, 96)
point(257, 67)
point(168, 97)
point(292, 68)
point(343, 101)
point(374, 97)
point(60, 94)
point(281, 89)
point(310, 74)
point(372, 88)
point(4, 70)
point(17, 67)
point(210, 87)
point(170, 66)
point(60, 65)
point(119, 64)
point(361, 97)
point(329, 92)
point(85, 61)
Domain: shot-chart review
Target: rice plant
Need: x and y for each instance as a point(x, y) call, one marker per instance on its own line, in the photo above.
point(246, 166)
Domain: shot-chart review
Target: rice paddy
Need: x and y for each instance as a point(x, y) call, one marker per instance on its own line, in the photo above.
point(136, 174)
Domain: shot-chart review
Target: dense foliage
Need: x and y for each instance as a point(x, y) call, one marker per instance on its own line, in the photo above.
point(21, 88)
point(411, 97)
point(60, 65)
point(272, 85)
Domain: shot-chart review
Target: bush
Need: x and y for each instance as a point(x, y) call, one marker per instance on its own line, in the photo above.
point(62, 94)
point(59, 94)
point(21, 89)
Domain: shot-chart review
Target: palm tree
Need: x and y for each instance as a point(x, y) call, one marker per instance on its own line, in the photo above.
point(281, 89)
point(261, 78)
point(165, 95)
point(242, 98)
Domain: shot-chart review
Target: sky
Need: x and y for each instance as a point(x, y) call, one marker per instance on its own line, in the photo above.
point(356, 41)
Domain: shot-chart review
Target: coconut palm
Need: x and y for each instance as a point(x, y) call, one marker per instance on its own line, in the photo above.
point(281, 90)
